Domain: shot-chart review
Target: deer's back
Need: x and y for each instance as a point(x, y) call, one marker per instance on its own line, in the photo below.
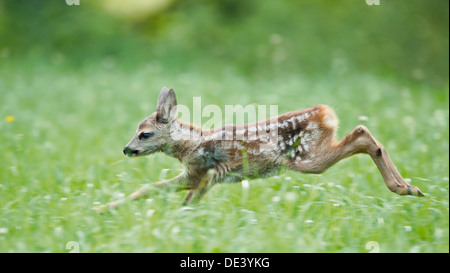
point(260, 149)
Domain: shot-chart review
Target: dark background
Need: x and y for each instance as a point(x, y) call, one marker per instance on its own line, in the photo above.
point(406, 40)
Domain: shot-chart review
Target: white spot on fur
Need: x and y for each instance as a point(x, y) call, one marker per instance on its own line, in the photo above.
point(306, 147)
point(228, 134)
point(306, 138)
point(302, 117)
point(292, 120)
point(271, 127)
point(237, 145)
point(312, 126)
point(240, 134)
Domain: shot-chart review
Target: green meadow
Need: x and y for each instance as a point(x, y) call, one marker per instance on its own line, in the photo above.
point(70, 102)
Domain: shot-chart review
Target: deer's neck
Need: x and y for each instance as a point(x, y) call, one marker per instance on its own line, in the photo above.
point(184, 138)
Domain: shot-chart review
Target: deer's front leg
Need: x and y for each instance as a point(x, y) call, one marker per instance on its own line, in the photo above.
point(177, 183)
point(197, 192)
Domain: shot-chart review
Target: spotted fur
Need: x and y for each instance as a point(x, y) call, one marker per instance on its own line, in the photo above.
point(303, 141)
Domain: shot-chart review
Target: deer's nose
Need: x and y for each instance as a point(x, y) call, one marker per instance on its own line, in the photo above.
point(129, 152)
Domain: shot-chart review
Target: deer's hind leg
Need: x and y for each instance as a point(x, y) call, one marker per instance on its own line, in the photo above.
point(328, 151)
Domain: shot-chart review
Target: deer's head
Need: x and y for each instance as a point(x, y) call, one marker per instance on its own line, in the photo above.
point(153, 133)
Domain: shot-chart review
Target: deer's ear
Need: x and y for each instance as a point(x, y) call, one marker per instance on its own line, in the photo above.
point(167, 105)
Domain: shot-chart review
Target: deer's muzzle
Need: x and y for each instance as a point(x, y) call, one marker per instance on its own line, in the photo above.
point(130, 152)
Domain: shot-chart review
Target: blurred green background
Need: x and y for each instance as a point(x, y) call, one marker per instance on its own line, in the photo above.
point(400, 39)
point(76, 80)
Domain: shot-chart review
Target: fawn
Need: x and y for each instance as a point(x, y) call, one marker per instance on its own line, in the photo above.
point(303, 141)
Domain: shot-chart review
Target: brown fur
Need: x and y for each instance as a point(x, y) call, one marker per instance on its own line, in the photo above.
point(305, 142)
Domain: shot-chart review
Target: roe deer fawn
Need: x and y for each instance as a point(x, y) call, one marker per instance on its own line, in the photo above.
point(304, 141)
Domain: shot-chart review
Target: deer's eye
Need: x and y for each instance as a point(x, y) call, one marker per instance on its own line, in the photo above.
point(144, 136)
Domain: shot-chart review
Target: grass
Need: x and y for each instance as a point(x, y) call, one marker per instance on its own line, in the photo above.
point(62, 154)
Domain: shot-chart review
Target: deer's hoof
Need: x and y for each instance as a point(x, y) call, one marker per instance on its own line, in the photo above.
point(413, 190)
